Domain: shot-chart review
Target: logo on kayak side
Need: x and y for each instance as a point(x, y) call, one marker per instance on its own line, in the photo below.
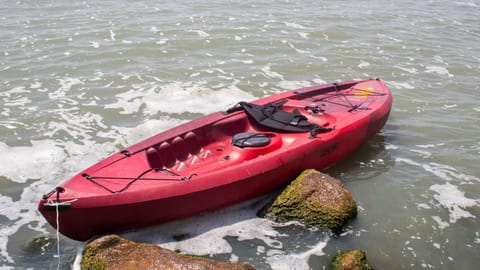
point(364, 92)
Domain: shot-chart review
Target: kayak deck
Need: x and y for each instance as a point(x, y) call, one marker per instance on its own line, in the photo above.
point(199, 152)
point(198, 166)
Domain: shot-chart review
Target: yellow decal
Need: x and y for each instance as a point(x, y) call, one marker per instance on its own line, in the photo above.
point(364, 91)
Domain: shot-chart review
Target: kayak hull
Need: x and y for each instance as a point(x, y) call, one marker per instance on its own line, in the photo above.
point(194, 167)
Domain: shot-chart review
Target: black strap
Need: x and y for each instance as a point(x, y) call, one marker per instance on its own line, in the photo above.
point(133, 180)
point(271, 115)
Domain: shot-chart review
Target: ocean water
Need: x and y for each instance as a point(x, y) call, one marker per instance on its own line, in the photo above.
point(83, 79)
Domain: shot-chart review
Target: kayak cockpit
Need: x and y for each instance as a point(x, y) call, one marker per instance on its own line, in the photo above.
point(218, 154)
point(223, 143)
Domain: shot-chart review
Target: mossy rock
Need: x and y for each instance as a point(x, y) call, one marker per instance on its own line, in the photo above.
point(351, 260)
point(315, 199)
point(114, 252)
point(39, 244)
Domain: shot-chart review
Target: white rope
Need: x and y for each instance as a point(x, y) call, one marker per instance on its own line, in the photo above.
point(58, 236)
point(53, 203)
point(57, 212)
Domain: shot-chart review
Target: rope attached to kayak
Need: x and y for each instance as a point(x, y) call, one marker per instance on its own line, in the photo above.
point(57, 203)
point(139, 177)
point(57, 212)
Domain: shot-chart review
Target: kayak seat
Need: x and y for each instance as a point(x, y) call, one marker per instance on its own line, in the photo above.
point(176, 151)
point(273, 116)
point(250, 139)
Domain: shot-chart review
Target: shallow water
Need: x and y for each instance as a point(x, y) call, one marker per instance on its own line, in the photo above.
point(82, 79)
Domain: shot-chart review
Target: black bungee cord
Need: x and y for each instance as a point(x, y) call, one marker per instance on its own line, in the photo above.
point(133, 180)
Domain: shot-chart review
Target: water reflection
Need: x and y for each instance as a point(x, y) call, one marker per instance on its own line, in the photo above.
point(368, 161)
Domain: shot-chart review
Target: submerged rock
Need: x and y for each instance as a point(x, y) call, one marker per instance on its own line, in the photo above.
point(39, 244)
point(315, 199)
point(351, 260)
point(114, 252)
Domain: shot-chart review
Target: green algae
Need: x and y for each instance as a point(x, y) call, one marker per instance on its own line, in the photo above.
point(90, 261)
point(351, 260)
point(315, 199)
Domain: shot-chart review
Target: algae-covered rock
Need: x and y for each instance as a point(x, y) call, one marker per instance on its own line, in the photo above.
point(351, 260)
point(114, 252)
point(39, 244)
point(315, 199)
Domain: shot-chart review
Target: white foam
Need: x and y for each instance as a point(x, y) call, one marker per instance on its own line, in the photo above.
point(15, 90)
point(423, 153)
point(23, 211)
point(129, 102)
point(112, 35)
point(411, 70)
point(211, 240)
point(450, 197)
point(467, 4)
point(29, 162)
point(35, 85)
point(449, 106)
point(207, 236)
point(162, 41)
point(401, 85)
point(391, 147)
point(293, 47)
point(321, 58)
point(363, 64)
point(79, 125)
point(445, 172)
point(304, 35)
point(319, 81)
point(425, 146)
point(294, 25)
point(200, 33)
point(154, 29)
point(423, 206)
point(66, 85)
point(271, 74)
point(295, 261)
point(129, 136)
point(95, 44)
point(194, 98)
point(10, 124)
point(290, 85)
point(438, 70)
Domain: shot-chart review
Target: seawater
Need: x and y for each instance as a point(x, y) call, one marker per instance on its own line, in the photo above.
point(83, 79)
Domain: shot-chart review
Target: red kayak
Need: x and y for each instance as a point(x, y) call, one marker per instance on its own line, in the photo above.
point(219, 159)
